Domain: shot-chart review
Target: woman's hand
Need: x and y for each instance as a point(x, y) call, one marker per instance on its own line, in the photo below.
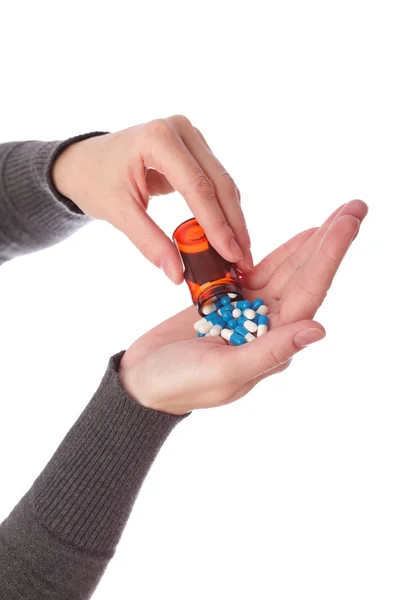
point(171, 370)
point(112, 177)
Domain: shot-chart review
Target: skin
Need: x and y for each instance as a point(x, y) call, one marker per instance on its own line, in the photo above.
point(112, 177)
point(293, 281)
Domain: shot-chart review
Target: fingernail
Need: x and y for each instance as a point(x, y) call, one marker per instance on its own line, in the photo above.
point(308, 336)
point(237, 254)
point(165, 265)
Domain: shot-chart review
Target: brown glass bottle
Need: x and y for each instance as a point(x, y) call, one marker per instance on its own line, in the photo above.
point(206, 272)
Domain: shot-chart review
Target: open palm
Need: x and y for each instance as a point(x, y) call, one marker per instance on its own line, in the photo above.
point(170, 369)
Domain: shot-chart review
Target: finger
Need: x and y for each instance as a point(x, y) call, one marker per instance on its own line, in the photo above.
point(151, 241)
point(355, 208)
point(164, 150)
point(157, 184)
point(270, 351)
point(225, 188)
point(263, 272)
point(307, 289)
point(253, 382)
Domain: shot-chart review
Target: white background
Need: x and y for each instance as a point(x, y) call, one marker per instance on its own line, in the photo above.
point(294, 491)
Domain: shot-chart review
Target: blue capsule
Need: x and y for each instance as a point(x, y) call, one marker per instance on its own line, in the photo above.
point(237, 339)
point(240, 330)
point(257, 303)
point(262, 320)
point(225, 300)
point(220, 321)
point(218, 304)
point(201, 335)
point(242, 320)
point(232, 324)
point(212, 317)
point(242, 304)
point(226, 314)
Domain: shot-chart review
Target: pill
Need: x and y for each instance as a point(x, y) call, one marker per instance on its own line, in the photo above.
point(198, 323)
point(249, 313)
point(262, 329)
point(241, 330)
point(262, 310)
point(220, 322)
point(226, 334)
point(201, 335)
point(237, 339)
point(205, 327)
point(242, 304)
point(226, 315)
point(236, 313)
point(249, 325)
point(225, 300)
point(263, 320)
point(212, 318)
point(232, 323)
point(249, 337)
point(232, 296)
point(209, 308)
point(215, 331)
point(257, 303)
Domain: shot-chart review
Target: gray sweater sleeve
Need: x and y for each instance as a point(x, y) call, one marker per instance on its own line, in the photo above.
point(58, 540)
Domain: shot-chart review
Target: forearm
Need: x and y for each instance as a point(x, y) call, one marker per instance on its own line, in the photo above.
point(58, 541)
point(33, 214)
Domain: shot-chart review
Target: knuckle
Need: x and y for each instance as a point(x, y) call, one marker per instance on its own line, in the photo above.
point(180, 121)
point(158, 127)
point(228, 181)
point(203, 185)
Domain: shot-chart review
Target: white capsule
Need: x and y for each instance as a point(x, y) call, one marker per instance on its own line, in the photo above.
point(209, 308)
point(205, 327)
point(232, 295)
point(236, 313)
point(262, 329)
point(226, 334)
point(262, 310)
point(234, 304)
point(250, 326)
point(216, 330)
point(249, 313)
point(207, 334)
point(199, 323)
point(249, 337)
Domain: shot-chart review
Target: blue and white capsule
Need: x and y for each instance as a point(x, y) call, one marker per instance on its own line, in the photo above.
point(236, 313)
point(249, 325)
point(262, 310)
point(225, 300)
point(249, 313)
point(257, 303)
point(232, 337)
point(243, 304)
point(263, 322)
point(216, 330)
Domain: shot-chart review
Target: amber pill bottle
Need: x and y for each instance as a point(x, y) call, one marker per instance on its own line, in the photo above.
point(205, 271)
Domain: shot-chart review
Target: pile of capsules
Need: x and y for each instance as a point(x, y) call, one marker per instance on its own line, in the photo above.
point(237, 322)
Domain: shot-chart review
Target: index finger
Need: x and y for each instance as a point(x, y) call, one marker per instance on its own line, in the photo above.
point(307, 289)
point(165, 151)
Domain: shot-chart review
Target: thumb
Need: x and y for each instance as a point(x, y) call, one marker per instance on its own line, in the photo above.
point(152, 242)
point(273, 349)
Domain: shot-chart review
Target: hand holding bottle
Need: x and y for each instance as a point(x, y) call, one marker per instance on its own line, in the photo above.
point(112, 177)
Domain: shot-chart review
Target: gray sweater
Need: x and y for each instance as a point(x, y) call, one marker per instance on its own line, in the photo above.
point(58, 540)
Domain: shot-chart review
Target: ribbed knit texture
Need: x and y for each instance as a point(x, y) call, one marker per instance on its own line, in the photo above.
point(57, 542)
point(33, 214)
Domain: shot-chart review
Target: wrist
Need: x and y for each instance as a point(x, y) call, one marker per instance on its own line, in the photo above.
point(68, 168)
point(141, 392)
